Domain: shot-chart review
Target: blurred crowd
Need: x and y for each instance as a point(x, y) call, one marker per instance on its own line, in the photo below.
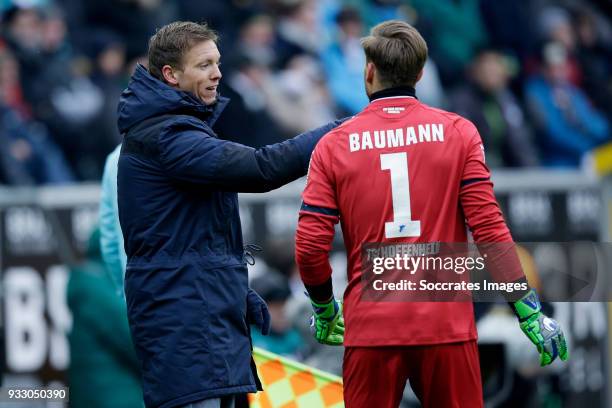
point(534, 75)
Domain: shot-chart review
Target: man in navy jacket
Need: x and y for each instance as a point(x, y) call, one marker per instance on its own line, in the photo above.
point(189, 306)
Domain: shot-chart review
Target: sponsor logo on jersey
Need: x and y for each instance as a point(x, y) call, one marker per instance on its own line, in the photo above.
point(393, 109)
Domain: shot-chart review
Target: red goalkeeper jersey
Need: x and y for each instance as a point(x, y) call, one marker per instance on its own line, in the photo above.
point(398, 172)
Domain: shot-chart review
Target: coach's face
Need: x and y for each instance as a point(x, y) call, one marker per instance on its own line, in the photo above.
point(200, 74)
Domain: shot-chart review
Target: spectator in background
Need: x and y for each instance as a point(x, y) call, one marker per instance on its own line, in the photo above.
point(110, 77)
point(257, 40)
point(37, 37)
point(501, 18)
point(429, 89)
point(456, 31)
point(372, 12)
point(556, 26)
point(103, 370)
point(58, 89)
point(133, 20)
point(28, 156)
point(22, 31)
point(249, 79)
point(377, 11)
point(568, 126)
point(11, 91)
point(297, 30)
point(294, 99)
point(343, 61)
point(298, 97)
point(226, 16)
point(54, 42)
point(248, 89)
point(487, 101)
point(284, 338)
point(595, 58)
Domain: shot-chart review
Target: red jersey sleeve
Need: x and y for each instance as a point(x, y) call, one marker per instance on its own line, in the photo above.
point(318, 215)
point(482, 213)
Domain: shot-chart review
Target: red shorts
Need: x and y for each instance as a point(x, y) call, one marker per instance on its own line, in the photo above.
point(441, 375)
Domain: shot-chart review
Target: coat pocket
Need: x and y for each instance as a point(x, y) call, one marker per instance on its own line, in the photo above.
point(227, 290)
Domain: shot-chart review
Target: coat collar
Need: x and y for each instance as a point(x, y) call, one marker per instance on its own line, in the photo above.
point(147, 96)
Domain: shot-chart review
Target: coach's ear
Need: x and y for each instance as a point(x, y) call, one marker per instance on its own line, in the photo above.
point(170, 75)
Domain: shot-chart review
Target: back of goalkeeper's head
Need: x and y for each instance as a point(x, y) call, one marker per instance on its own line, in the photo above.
point(395, 55)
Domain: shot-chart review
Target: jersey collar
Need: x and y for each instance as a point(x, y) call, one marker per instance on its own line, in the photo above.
point(398, 91)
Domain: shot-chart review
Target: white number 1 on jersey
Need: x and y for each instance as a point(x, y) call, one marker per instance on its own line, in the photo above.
point(402, 224)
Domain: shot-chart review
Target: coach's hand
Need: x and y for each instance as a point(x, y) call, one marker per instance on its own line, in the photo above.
point(543, 331)
point(327, 323)
point(257, 312)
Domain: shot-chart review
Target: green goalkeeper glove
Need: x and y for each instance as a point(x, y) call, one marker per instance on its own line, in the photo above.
point(327, 323)
point(543, 331)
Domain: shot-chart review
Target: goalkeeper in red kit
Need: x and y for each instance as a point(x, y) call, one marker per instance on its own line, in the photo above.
point(403, 172)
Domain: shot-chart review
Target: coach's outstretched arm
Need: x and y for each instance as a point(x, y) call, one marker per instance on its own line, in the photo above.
point(491, 234)
point(190, 154)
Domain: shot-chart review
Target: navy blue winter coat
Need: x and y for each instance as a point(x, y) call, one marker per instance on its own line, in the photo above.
point(186, 279)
